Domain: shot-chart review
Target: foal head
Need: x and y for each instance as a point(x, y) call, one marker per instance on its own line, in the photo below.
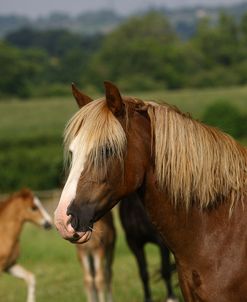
point(30, 209)
point(109, 142)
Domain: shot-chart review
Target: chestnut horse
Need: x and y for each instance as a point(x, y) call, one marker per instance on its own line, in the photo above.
point(96, 257)
point(192, 179)
point(138, 232)
point(14, 212)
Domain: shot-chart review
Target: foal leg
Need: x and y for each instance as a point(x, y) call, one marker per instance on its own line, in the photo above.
point(108, 273)
point(20, 272)
point(142, 266)
point(99, 259)
point(166, 271)
point(88, 277)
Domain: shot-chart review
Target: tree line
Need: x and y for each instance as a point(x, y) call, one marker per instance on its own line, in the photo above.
point(143, 53)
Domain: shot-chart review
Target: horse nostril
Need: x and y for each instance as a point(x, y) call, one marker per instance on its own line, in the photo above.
point(47, 225)
point(74, 221)
point(80, 217)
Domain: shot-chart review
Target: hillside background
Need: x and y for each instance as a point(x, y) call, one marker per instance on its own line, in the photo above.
point(194, 57)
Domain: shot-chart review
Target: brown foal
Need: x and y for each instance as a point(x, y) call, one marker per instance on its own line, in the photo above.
point(191, 178)
point(96, 257)
point(19, 208)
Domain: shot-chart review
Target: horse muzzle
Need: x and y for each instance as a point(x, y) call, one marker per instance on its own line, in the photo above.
point(47, 225)
point(80, 217)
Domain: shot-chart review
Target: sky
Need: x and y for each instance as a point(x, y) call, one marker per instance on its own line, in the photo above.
point(34, 8)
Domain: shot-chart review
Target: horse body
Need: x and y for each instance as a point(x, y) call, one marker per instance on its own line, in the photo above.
point(138, 232)
point(190, 177)
point(10, 235)
point(14, 212)
point(96, 257)
point(209, 247)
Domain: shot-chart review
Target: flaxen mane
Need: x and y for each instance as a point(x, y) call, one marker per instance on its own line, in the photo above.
point(193, 162)
point(96, 131)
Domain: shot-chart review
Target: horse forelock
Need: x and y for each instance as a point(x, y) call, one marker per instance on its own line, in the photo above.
point(195, 162)
point(91, 132)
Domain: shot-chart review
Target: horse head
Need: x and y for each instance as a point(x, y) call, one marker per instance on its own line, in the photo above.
point(109, 141)
point(32, 210)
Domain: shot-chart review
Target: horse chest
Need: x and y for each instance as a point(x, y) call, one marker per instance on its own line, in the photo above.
point(9, 255)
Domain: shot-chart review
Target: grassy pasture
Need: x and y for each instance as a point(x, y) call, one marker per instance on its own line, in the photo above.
point(31, 132)
point(52, 259)
point(47, 117)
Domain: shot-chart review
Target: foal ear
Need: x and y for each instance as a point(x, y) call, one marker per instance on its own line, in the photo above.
point(25, 193)
point(80, 98)
point(113, 99)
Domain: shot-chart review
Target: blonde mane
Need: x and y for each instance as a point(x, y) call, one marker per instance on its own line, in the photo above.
point(96, 131)
point(194, 163)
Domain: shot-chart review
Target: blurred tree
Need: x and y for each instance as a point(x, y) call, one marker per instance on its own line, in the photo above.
point(219, 43)
point(56, 42)
point(243, 27)
point(227, 117)
point(144, 50)
point(142, 46)
point(19, 69)
point(68, 52)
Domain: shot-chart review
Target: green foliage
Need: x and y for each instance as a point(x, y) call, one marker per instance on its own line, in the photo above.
point(147, 48)
point(141, 47)
point(227, 117)
point(55, 42)
point(152, 26)
point(144, 52)
point(35, 167)
point(220, 44)
point(64, 57)
point(31, 151)
point(218, 77)
point(19, 69)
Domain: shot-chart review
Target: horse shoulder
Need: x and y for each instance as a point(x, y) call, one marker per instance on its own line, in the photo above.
point(9, 255)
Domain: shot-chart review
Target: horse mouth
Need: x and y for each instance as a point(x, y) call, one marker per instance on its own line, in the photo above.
point(80, 237)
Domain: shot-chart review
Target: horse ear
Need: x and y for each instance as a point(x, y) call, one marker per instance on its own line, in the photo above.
point(25, 193)
point(113, 98)
point(80, 98)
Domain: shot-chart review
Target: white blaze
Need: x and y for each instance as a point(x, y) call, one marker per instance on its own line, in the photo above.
point(69, 190)
point(46, 216)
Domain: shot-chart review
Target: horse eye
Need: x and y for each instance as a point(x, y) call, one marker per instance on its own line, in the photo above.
point(107, 152)
point(34, 208)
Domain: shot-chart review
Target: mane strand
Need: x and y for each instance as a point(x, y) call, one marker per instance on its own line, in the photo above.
point(195, 162)
point(96, 130)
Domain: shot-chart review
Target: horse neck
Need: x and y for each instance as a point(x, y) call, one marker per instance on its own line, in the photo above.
point(184, 230)
point(11, 220)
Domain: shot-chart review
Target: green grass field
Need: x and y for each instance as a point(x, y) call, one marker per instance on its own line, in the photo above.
point(52, 259)
point(41, 117)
